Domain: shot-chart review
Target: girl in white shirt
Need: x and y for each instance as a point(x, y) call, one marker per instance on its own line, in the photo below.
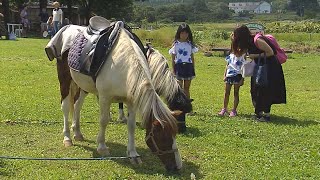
point(183, 62)
point(183, 65)
point(232, 75)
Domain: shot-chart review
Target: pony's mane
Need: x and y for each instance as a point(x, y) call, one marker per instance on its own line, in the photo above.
point(164, 81)
point(140, 89)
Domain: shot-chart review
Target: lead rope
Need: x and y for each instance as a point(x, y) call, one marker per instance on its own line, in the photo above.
point(64, 159)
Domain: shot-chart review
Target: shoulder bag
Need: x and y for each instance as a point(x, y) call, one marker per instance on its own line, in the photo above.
point(261, 72)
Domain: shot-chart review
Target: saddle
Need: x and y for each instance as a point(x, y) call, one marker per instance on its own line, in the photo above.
point(97, 24)
point(92, 46)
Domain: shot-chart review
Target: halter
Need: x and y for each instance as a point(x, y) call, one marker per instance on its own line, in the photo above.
point(158, 151)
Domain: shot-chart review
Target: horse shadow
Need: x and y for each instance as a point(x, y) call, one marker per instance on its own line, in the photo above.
point(282, 120)
point(151, 164)
point(192, 132)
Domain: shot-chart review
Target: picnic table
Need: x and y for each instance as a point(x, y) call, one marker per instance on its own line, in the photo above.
point(226, 51)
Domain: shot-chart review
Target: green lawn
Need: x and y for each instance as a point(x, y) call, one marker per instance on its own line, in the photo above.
point(213, 147)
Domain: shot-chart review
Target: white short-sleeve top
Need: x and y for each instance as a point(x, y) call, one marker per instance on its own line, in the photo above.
point(234, 64)
point(57, 15)
point(183, 51)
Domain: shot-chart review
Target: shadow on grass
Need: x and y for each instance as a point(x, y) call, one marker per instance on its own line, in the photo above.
point(4, 171)
point(192, 132)
point(291, 121)
point(151, 164)
point(281, 120)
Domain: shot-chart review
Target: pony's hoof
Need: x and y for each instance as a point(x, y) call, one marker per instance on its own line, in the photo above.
point(103, 152)
point(78, 137)
point(67, 143)
point(135, 160)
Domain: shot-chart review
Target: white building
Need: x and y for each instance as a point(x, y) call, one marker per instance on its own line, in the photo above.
point(253, 7)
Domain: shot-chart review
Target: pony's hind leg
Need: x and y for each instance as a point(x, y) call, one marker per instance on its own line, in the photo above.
point(131, 148)
point(65, 106)
point(104, 119)
point(76, 116)
point(121, 118)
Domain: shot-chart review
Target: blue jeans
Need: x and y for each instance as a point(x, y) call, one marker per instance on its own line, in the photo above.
point(56, 27)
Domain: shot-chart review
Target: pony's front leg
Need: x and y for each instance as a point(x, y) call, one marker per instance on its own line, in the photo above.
point(131, 149)
point(65, 106)
point(104, 119)
point(76, 116)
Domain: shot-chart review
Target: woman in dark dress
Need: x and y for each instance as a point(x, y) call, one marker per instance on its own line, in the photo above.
point(275, 92)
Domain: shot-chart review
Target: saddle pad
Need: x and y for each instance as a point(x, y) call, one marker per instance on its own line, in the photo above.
point(75, 52)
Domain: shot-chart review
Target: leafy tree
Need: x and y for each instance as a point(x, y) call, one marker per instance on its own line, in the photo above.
point(199, 6)
point(220, 10)
point(306, 4)
point(143, 12)
point(119, 9)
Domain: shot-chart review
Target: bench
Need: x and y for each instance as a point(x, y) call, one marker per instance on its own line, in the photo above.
point(224, 50)
point(227, 50)
point(134, 27)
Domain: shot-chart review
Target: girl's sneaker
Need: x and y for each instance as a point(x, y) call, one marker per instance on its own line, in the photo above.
point(233, 113)
point(223, 112)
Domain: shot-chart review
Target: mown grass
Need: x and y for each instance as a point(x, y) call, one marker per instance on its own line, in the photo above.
point(213, 147)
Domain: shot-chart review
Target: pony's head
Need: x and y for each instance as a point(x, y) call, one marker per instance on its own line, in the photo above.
point(180, 102)
point(165, 82)
point(160, 138)
point(156, 118)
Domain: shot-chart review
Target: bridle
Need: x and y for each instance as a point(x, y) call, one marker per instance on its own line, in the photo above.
point(158, 151)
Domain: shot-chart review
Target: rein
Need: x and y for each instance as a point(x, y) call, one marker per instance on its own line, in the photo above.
point(158, 151)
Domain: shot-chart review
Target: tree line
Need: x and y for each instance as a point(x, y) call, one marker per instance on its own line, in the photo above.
point(165, 11)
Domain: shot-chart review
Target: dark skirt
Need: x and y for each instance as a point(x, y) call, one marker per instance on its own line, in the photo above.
point(184, 71)
point(275, 93)
point(234, 79)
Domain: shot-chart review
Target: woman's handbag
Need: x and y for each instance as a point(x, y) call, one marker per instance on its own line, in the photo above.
point(261, 72)
point(248, 68)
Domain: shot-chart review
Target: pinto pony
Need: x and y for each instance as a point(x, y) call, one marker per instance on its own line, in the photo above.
point(124, 77)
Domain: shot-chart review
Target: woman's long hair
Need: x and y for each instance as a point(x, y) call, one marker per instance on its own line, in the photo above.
point(241, 40)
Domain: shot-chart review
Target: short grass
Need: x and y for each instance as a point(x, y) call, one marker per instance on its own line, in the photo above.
point(213, 147)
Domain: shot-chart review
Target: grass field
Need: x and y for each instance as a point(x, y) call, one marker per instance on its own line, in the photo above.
point(213, 147)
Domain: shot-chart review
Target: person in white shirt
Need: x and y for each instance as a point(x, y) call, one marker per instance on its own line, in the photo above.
point(57, 17)
point(183, 64)
point(183, 61)
point(232, 75)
